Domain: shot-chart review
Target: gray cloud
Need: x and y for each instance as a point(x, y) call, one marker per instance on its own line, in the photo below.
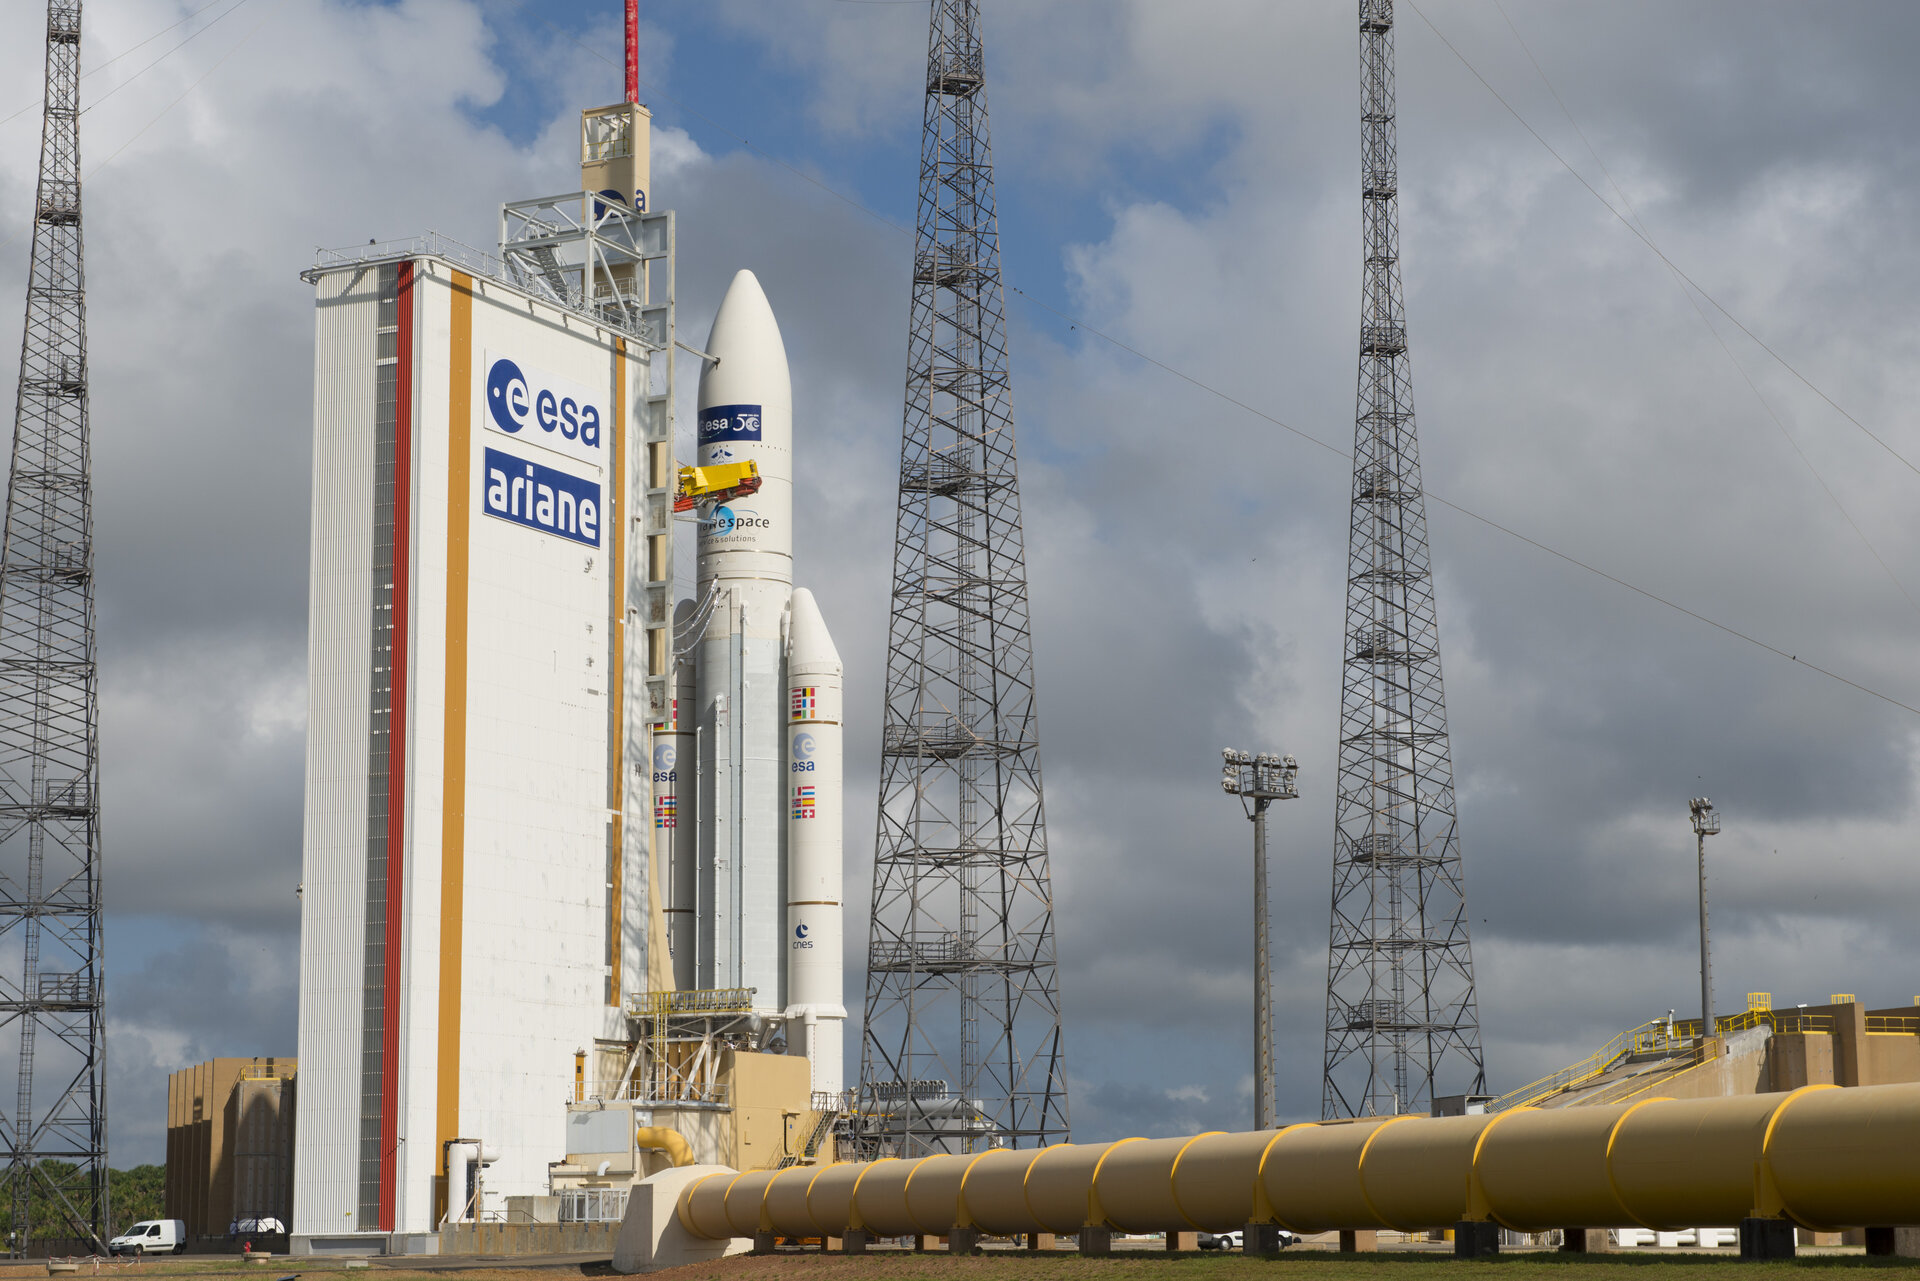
point(1186, 558)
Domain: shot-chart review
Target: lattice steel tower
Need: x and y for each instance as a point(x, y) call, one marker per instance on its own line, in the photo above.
point(1401, 1018)
point(961, 1047)
point(49, 708)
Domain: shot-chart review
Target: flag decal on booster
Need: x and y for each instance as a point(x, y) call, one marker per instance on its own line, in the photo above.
point(803, 801)
point(804, 702)
point(540, 498)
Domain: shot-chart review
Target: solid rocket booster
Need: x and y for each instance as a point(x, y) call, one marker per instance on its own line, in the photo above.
point(815, 1015)
point(745, 579)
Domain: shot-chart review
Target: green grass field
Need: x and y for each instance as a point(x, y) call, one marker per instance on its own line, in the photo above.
point(1295, 1265)
point(1064, 1265)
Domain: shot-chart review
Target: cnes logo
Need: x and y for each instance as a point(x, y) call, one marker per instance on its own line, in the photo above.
point(542, 409)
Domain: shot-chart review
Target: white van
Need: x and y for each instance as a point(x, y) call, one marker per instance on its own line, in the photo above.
point(151, 1236)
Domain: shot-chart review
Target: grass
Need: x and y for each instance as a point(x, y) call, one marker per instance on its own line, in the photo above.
point(1063, 1265)
point(1293, 1265)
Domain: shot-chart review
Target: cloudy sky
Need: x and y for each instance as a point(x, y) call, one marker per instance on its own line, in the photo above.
point(1180, 179)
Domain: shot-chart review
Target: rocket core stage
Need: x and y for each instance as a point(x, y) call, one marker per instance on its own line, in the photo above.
point(754, 887)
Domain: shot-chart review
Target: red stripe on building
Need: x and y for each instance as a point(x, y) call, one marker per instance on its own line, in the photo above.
point(397, 750)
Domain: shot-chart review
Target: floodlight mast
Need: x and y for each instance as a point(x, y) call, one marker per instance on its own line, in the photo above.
point(1705, 823)
point(1259, 781)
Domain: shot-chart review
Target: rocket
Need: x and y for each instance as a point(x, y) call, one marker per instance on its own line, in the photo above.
point(755, 897)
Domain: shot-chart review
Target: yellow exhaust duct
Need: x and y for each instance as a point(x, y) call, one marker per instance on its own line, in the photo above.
point(659, 1138)
point(1820, 1157)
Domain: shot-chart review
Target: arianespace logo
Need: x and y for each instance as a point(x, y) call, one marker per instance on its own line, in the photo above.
point(531, 405)
point(541, 498)
point(729, 423)
point(725, 520)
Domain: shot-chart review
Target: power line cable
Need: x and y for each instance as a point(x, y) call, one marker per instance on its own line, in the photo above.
point(221, 61)
point(1306, 436)
point(37, 103)
point(1648, 242)
point(1473, 515)
point(1693, 302)
point(155, 118)
point(185, 41)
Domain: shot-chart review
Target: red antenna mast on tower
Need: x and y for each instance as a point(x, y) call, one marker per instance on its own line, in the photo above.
point(633, 50)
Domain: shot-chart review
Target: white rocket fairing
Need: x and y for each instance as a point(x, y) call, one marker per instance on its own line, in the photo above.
point(815, 1015)
point(765, 871)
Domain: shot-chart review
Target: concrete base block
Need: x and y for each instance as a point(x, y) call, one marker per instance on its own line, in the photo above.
point(1260, 1238)
point(831, 1245)
point(963, 1241)
point(1040, 1241)
point(1585, 1241)
point(856, 1241)
point(1763, 1239)
point(1183, 1241)
point(919, 1243)
point(1360, 1241)
point(1096, 1240)
point(763, 1242)
point(1475, 1240)
point(1901, 1243)
point(651, 1237)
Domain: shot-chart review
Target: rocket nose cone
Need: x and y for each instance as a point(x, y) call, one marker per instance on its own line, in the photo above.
point(810, 644)
point(745, 334)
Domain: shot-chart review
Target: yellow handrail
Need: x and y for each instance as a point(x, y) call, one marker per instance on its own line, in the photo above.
point(1893, 1023)
point(1660, 1035)
point(1634, 1041)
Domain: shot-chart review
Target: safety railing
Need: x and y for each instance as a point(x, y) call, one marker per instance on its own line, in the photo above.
point(1787, 1022)
point(1894, 1024)
point(1633, 1041)
point(1663, 1036)
point(717, 1000)
point(593, 1205)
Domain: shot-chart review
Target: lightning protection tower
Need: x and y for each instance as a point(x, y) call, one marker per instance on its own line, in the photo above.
point(1401, 1017)
point(56, 1137)
point(961, 1043)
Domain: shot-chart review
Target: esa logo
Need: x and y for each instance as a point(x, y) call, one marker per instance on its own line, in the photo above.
point(800, 940)
point(664, 757)
point(803, 749)
point(529, 405)
point(728, 521)
point(721, 423)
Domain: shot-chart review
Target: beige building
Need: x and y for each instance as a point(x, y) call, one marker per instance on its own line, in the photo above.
point(230, 1143)
point(1761, 1051)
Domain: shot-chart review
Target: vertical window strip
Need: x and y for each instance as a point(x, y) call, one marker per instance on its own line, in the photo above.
point(379, 744)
